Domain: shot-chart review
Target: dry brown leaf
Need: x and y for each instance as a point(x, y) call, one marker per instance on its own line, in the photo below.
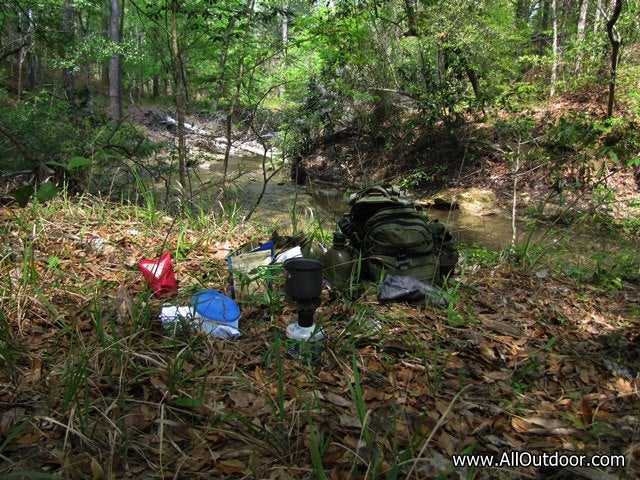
point(541, 426)
point(498, 375)
point(586, 412)
point(446, 442)
point(338, 473)
point(337, 399)
point(328, 377)
point(36, 371)
point(29, 438)
point(623, 387)
point(349, 421)
point(241, 398)
point(10, 418)
point(232, 466)
point(96, 470)
point(372, 394)
point(584, 376)
point(140, 417)
point(504, 328)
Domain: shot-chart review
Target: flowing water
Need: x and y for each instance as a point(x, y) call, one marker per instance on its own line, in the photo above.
point(288, 207)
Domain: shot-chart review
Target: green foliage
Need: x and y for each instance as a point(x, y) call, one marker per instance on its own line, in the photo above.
point(49, 129)
point(615, 139)
point(518, 97)
point(47, 132)
point(478, 255)
point(611, 270)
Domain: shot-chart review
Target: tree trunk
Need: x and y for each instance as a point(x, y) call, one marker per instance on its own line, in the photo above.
point(614, 40)
point(68, 77)
point(236, 97)
point(410, 11)
point(23, 50)
point(469, 71)
point(582, 23)
point(31, 69)
point(85, 69)
point(554, 66)
point(155, 89)
point(597, 15)
point(21, 58)
point(179, 95)
point(220, 87)
point(544, 22)
point(140, 82)
point(115, 68)
point(104, 67)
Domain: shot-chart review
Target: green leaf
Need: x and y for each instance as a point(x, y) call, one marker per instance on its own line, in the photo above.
point(23, 194)
point(72, 164)
point(47, 191)
point(77, 162)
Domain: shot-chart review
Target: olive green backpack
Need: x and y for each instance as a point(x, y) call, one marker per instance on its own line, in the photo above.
point(395, 237)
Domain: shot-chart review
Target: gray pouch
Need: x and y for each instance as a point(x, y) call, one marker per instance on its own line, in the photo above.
point(402, 288)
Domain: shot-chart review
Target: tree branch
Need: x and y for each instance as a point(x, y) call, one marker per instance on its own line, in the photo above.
point(39, 166)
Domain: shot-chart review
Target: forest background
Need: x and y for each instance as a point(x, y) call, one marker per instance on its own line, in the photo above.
point(394, 75)
point(536, 100)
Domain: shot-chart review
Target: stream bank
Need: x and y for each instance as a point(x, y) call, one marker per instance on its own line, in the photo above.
point(477, 214)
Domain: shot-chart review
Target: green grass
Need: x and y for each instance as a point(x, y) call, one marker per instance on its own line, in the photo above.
point(88, 369)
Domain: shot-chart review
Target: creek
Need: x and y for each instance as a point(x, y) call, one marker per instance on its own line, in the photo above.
point(287, 207)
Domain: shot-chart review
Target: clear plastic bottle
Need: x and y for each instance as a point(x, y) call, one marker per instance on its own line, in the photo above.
point(338, 263)
point(304, 343)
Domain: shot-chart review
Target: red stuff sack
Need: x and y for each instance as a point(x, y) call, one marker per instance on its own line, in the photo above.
point(159, 275)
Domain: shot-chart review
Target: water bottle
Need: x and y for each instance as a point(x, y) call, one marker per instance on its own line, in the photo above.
point(338, 263)
point(304, 343)
point(314, 251)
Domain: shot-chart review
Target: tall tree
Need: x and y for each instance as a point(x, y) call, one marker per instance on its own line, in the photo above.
point(68, 28)
point(116, 21)
point(179, 90)
point(555, 50)
point(235, 101)
point(614, 40)
point(582, 24)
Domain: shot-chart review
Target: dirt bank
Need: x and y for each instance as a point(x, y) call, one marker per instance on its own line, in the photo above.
point(553, 178)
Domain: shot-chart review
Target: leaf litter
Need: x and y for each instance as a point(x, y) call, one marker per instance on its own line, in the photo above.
point(95, 388)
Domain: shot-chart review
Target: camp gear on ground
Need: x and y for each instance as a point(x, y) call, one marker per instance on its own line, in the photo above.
point(304, 278)
point(215, 312)
point(304, 343)
point(244, 278)
point(159, 275)
point(338, 263)
point(304, 285)
point(170, 315)
point(445, 247)
point(294, 252)
point(314, 251)
point(401, 288)
point(394, 236)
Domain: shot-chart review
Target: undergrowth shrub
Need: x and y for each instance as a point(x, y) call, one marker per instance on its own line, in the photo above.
point(63, 142)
